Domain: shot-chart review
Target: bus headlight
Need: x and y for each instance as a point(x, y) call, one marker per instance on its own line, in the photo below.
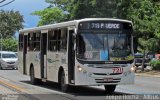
point(80, 69)
point(133, 68)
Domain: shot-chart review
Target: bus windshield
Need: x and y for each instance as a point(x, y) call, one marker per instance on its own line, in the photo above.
point(104, 46)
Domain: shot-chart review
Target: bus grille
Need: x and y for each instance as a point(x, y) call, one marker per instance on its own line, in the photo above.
point(107, 74)
point(103, 81)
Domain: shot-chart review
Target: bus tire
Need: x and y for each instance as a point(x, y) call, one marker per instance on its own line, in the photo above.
point(64, 86)
point(109, 88)
point(1, 67)
point(33, 80)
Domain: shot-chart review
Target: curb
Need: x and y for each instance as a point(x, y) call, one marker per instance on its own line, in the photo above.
point(146, 75)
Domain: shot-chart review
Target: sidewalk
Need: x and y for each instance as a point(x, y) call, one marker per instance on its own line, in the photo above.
point(148, 73)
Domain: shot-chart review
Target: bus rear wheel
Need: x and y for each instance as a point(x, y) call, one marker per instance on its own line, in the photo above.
point(33, 80)
point(1, 67)
point(64, 86)
point(109, 88)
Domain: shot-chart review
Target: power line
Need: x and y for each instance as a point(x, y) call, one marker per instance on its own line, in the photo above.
point(6, 3)
point(2, 1)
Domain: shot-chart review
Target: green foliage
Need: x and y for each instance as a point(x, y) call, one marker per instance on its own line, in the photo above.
point(89, 8)
point(145, 15)
point(155, 64)
point(9, 44)
point(142, 14)
point(10, 22)
point(50, 16)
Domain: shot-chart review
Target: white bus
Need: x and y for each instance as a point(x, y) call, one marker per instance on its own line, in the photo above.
point(86, 52)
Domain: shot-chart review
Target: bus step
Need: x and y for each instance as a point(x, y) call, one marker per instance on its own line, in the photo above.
point(44, 80)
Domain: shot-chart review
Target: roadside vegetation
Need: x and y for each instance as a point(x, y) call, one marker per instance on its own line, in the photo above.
point(145, 15)
point(10, 23)
point(155, 64)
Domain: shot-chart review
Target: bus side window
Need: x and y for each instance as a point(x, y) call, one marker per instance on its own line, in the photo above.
point(63, 40)
point(37, 41)
point(52, 38)
point(29, 42)
point(30, 46)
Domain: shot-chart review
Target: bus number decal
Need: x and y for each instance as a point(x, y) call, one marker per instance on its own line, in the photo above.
point(118, 70)
point(88, 55)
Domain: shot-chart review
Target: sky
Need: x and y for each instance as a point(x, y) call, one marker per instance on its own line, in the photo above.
point(26, 7)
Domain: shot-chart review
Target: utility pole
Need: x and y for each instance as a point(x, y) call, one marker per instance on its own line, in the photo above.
point(1, 42)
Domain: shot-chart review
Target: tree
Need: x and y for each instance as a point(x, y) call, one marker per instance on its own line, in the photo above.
point(9, 44)
point(100, 8)
point(10, 22)
point(50, 16)
point(145, 15)
point(78, 9)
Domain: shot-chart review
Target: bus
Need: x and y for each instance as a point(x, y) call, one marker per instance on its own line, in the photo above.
point(84, 52)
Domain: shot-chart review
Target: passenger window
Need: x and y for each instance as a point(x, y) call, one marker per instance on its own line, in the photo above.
point(57, 40)
point(34, 41)
point(63, 40)
point(52, 40)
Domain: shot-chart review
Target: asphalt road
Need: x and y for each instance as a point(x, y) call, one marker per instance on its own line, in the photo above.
point(18, 83)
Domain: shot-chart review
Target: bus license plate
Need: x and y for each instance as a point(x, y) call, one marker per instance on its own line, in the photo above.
point(117, 70)
point(108, 79)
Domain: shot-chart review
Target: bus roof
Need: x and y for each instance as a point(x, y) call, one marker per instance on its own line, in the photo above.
point(68, 23)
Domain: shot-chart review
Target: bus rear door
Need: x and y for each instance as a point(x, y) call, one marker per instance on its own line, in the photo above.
point(43, 53)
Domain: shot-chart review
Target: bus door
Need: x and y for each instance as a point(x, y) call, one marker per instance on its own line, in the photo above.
point(71, 55)
point(25, 39)
point(43, 53)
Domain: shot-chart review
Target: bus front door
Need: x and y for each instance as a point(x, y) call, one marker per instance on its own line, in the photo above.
point(71, 56)
point(43, 53)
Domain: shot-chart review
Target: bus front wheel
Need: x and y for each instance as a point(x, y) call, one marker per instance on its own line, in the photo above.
point(109, 88)
point(64, 86)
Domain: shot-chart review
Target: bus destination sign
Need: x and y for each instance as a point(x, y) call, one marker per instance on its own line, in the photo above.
point(104, 25)
point(101, 25)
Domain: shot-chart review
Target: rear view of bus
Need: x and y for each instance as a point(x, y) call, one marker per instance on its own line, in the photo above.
point(104, 53)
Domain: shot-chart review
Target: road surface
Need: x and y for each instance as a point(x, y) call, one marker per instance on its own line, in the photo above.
point(12, 82)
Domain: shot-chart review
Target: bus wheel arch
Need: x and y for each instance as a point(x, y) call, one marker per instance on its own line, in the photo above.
point(31, 68)
point(62, 80)
point(33, 80)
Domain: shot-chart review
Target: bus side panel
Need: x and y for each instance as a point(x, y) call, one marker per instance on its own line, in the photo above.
point(52, 70)
point(33, 58)
point(20, 62)
point(55, 60)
